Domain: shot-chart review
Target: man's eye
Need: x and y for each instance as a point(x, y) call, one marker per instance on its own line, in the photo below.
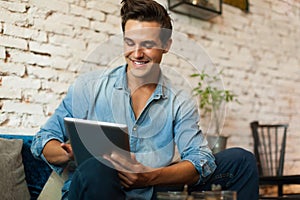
point(148, 45)
point(129, 43)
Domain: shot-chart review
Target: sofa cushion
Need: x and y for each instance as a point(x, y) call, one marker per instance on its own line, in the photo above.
point(12, 184)
point(37, 171)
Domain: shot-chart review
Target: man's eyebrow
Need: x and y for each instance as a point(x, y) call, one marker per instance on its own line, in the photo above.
point(149, 42)
point(128, 38)
point(152, 41)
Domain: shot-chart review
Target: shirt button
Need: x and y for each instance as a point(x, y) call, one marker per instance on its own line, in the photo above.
point(134, 128)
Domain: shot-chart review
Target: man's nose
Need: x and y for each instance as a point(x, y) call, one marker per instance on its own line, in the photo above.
point(138, 51)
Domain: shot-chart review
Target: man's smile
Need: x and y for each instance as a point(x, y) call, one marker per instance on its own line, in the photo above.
point(139, 63)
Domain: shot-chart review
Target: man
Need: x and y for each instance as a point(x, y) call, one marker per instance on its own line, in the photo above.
point(159, 117)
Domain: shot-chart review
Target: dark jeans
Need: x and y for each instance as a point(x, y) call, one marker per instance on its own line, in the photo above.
point(236, 171)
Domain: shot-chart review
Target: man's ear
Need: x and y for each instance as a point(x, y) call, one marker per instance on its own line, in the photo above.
point(167, 46)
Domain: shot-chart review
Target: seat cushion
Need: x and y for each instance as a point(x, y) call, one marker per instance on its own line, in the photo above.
point(52, 189)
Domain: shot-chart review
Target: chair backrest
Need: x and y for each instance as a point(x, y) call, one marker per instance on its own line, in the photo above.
point(269, 147)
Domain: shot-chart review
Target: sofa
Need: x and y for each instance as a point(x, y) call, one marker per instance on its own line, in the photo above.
point(22, 176)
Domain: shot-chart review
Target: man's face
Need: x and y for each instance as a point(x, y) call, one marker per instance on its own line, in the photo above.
point(143, 47)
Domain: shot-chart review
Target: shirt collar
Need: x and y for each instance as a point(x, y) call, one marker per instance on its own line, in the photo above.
point(121, 83)
point(160, 91)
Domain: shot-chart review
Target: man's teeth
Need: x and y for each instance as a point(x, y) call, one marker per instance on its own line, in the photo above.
point(140, 62)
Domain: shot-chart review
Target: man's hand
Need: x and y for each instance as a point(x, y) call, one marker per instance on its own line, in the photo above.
point(132, 174)
point(69, 152)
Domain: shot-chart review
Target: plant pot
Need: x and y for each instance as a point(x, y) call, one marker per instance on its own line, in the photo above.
point(216, 143)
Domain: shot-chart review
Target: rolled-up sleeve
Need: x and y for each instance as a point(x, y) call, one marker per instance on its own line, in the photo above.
point(38, 144)
point(75, 104)
point(191, 143)
point(204, 162)
point(53, 130)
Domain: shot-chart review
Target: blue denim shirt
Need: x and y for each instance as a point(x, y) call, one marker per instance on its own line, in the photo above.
point(169, 120)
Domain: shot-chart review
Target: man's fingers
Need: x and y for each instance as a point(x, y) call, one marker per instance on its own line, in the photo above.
point(126, 162)
point(125, 180)
point(118, 165)
point(132, 155)
point(66, 147)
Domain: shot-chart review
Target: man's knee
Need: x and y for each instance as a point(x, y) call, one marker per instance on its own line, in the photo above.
point(94, 167)
point(237, 155)
point(243, 156)
point(92, 178)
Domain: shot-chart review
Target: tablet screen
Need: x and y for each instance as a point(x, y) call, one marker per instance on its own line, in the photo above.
point(95, 138)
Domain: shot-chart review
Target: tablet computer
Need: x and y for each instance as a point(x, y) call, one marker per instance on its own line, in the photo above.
point(95, 138)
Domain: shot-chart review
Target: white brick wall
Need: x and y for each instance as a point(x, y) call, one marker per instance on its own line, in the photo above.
point(13, 42)
point(25, 33)
point(2, 53)
point(43, 45)
point(22, 108)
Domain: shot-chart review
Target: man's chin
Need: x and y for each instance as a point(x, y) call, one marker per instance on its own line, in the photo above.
point(139, 72)
point(143, 71)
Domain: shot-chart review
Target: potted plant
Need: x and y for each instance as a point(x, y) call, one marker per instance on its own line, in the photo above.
point(212, 98)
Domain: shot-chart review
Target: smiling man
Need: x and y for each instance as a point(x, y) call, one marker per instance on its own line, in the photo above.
point(143, 52)
point(160, 118)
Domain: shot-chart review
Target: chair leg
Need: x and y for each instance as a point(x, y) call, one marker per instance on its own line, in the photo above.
point(280, 190)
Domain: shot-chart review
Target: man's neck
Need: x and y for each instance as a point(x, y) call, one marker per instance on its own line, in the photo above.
point(148, 83)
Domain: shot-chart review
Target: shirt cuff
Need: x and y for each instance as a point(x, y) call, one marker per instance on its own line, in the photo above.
point(203, 166)
point(38, 144)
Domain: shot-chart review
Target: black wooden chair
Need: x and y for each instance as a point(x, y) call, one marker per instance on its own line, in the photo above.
point(269, 150)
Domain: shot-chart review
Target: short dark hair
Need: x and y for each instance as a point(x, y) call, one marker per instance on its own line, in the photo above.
point(147, 10)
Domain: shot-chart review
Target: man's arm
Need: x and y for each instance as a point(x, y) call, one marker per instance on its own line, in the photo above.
point(180, 173)
point(57, 153)
point(133, 174)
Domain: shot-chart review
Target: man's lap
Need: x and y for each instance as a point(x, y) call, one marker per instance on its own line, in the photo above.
point(235, 168)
